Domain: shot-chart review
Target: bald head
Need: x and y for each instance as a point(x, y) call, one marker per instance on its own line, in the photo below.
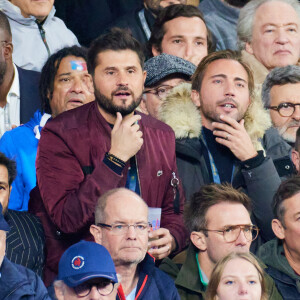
point(121, 195)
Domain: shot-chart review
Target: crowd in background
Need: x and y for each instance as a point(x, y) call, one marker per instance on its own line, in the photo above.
point(149, 149)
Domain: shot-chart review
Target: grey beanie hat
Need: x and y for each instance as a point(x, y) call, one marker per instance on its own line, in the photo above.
point(159, 67)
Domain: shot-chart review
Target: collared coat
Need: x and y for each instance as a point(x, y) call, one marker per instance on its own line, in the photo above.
point(71, 176)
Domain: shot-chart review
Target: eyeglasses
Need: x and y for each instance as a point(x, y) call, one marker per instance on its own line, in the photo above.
point(285, 109)
point(231, 233)
point(104, 288)
point(161, 92)
point(120, 229)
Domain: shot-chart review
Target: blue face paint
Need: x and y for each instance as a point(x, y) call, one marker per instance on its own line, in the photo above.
point(78, 65)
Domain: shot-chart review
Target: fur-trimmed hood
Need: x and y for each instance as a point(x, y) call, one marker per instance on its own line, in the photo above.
point(182, 115)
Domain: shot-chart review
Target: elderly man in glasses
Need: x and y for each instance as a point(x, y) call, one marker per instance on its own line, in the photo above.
point(121, 219)
point(218, 219)
point(164, 72)
point(87, 272)
point(281, 95)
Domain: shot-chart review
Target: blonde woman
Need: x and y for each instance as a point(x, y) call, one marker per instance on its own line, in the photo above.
point(235, 277)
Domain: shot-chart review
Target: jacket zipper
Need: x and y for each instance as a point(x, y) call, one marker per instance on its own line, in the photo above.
point(138, 176)
point(16, 288)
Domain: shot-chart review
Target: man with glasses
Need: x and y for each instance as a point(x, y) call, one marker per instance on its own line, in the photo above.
point(281, 95)
point(87, 272)
point(282, 255)
point(121, 219)
point(164, 72)
point(218, 219)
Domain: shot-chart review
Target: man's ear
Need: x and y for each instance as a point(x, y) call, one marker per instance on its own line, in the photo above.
point(199, 240)
point(96, 232)
point(195, 97)
point(248, 48)
point(296, 159)
point(8, 50)
point(278, 229)
point(155, 51)
point(59, 292)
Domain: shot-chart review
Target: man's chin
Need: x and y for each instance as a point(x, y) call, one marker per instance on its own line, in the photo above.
point(289, 135)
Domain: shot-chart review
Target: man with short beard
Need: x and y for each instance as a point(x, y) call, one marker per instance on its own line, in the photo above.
point(104, 145)
point(229, 141)
point(221, 18)
point(19, 94)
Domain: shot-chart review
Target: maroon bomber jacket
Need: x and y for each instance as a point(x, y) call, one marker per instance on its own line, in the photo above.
point(71, 176)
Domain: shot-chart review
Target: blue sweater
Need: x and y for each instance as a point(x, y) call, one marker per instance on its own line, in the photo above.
point(21, 145)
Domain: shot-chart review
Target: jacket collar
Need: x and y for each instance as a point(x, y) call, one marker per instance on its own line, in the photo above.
point(188, 276)
point(181, 114)
point(12, 279)
point(145, 269)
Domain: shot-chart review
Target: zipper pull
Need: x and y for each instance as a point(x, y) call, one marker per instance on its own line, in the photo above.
point(176, 201)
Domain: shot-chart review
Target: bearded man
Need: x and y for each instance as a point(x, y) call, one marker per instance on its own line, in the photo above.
point(105, 145)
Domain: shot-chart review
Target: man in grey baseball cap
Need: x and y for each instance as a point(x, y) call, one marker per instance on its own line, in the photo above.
point(164, 72)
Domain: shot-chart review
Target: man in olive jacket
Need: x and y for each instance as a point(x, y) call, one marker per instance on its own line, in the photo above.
point(218, 219)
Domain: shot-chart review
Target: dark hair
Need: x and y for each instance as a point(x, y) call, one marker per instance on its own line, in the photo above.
point(49, 72)
point(225, 54)
point(209, 195)
point(287, 189)
point(4, 24)
point(11, 167)
point(116, 39)
point(172, 12)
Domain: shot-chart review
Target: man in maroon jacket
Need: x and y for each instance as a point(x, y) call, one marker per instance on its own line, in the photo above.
point(104, 145)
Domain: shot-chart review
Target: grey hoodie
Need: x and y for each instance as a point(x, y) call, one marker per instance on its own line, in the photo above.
point(29, 50)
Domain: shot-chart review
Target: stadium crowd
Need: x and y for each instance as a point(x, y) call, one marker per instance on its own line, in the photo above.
point(150, 149)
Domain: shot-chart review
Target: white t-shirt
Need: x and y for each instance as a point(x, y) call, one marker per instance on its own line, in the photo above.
point(10, 113)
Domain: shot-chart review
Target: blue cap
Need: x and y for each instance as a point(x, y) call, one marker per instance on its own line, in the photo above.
point(3, 224)
point(84, 261)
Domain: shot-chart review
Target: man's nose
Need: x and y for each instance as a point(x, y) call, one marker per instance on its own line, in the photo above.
point(282, 36)
point(131, 232)
point(77, 85)
point(241, 240)
point(296, 114)
point(229, 89)
point(122, 79)
point(94, 294)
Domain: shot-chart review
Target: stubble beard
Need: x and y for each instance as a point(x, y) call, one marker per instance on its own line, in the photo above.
point(3, 67)
point(212, 116)
point(288, 137)
point(108, 106)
